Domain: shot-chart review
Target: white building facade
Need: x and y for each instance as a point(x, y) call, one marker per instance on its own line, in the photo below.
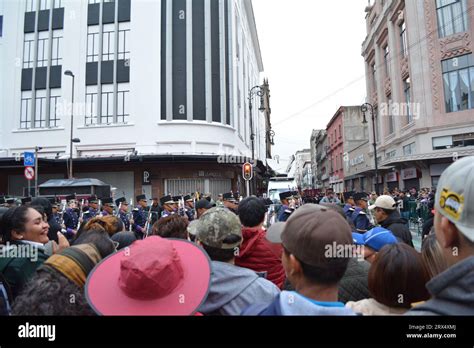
point(158, 85)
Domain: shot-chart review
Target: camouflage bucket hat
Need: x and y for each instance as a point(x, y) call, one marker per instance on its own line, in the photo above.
point(216, 225)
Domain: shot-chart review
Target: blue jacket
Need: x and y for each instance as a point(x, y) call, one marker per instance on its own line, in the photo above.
point(292, 303)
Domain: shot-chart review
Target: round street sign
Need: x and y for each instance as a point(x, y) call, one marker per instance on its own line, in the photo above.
point(29, 173)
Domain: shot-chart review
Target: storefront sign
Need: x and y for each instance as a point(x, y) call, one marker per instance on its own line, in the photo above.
point(357, 160)
point(146, 178)
point(409, 173)
point(203, 173)
point(392, 177)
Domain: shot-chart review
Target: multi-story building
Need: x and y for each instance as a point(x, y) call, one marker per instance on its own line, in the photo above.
point(419, 60)
point(161, 90)
point(314, 156)
point(321, 166)
point(302, 157)
point(307, 181)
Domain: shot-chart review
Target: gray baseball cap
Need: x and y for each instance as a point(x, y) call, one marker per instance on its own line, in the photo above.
point(455, 196)
point(216, 225)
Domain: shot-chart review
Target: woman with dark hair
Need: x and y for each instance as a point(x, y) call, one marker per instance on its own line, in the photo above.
point(397, 279)
point(24, 232)
point(54, 227)
point(57, 288)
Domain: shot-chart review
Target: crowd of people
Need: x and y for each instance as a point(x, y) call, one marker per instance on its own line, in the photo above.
point(206, 257)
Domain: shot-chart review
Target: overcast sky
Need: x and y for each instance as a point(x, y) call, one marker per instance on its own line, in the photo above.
point(311, 52)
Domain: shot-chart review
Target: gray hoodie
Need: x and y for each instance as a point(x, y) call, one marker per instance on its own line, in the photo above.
point(452, 292)
point(235, 288)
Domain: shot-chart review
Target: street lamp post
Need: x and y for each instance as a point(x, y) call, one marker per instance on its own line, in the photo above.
point(364, 108)
point(255, 91)
point(69, 73)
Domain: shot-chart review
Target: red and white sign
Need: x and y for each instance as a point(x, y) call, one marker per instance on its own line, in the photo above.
point(409, 173)
point(29, 173)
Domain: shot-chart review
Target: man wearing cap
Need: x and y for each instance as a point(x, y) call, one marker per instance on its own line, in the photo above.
point(189, 207)
point(310, 240)
point(107, 206)
point(170, 206)
point(232, 288)
point(122, 206)
point(230, 202)
point(71, 216)
point(10, 202)
point(140, 217)
point(452, 292)
point(93, 210)
point(387, 216)
point(285, 211)
point(55, 210)
point(359, 216)
point(330, 198)
point(349, 203)
point(202, 206)
point(26, 201)
point(373, 241)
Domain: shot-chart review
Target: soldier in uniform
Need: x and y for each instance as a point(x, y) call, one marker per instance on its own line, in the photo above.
point(26, 201)
point(349, 205)
point(122, 205)
point(107, 206)
point(285, 210)
point(71, 217)
point(140, 215)
point(359, 217)
point(189, 207)
point(10, 202)
point(169, 206)
point(155, 211)
point(55, 209)
point(230, 202)
point(93, 210)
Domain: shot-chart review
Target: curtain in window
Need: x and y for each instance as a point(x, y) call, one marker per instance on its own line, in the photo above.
point(447, 24)
point(465, 79)
point(453, 85)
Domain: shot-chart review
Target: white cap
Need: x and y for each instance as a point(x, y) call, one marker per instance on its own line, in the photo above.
point(384, 202)
point(455, 196)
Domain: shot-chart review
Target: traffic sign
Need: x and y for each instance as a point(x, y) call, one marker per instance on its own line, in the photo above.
point(29, 173)
point(29, 159)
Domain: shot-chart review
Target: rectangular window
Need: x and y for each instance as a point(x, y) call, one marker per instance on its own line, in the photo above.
point(123, 103)
point(45, 4)
point(442, 143)
point(463, 140)
point(54, 101)
point(1, 26)
point(43, 46)
point(409, 150)
point(374, 78)
point(25, 110)
point(340, 131)
point(386, 58)
point(108, 44)
point(28, 46)
point(458, 76)
point(92, 44)
point(403, 39)
point(40, 109)
point(91, 105)
point(124, 44)
point(56, 57)
point(30, 5)
point(391, 120)
point(107, 112)
point(407, 93)
point(452, 17)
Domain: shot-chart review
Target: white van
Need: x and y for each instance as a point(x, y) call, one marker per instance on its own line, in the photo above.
point(278, 185)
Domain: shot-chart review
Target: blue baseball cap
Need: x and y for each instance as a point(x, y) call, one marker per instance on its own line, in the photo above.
point(376, 238)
